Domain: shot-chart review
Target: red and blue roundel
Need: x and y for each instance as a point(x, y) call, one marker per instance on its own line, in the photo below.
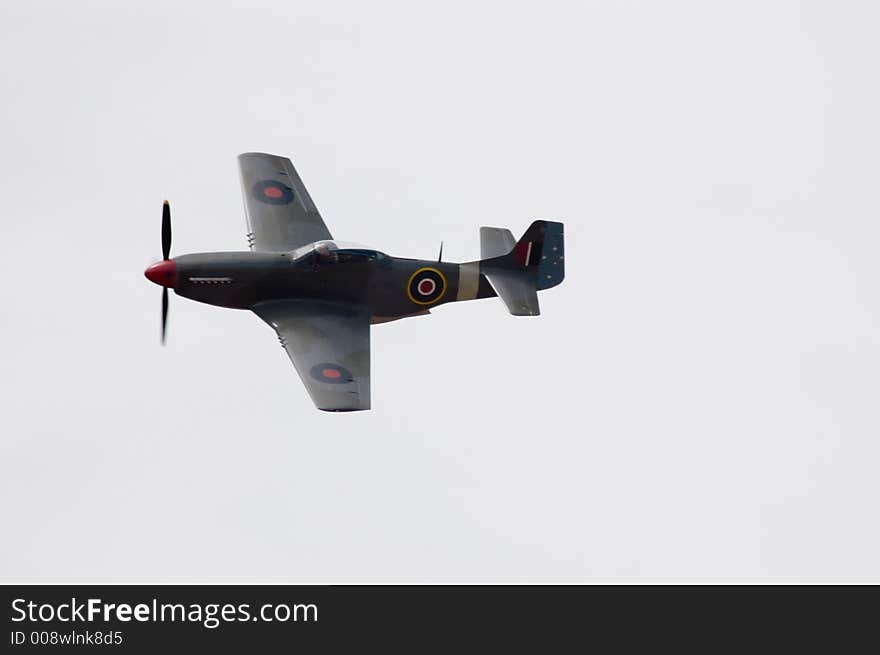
point(331, 373)
point(273, 192)
point(426, 286)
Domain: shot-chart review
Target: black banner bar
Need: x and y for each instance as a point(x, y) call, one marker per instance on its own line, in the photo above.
point(96, 618)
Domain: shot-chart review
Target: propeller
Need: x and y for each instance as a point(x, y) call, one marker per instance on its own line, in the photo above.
point(166, 230)
point(164, 273)
point(166, 250)
point(164, 312)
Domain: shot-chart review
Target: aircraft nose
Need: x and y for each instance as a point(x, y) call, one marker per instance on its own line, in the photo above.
point(162, 273)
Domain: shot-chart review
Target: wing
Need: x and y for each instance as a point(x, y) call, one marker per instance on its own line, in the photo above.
point(329, 344)
point(280, 213)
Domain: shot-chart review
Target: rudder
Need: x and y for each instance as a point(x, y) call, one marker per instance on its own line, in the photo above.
point(542, 249)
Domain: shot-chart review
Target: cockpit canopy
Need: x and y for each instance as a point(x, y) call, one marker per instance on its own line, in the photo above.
point(334, 252)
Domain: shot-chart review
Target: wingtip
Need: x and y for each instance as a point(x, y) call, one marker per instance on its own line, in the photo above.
point(245, 155)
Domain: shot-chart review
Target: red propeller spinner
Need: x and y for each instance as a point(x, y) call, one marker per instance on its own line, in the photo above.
point(162, 273)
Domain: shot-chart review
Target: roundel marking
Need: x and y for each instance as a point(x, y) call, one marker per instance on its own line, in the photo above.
point(331, 373)
point(273, 192)
point(426, 286)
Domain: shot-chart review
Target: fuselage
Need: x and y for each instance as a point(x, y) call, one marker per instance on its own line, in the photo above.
point(388, 287)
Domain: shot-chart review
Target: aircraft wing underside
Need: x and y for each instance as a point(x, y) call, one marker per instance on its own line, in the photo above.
point(280, 213)
point(329, 344)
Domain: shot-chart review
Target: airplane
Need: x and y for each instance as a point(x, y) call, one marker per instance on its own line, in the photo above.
point(321, 295)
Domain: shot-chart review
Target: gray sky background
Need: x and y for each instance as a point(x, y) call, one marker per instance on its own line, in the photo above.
point(697, 403)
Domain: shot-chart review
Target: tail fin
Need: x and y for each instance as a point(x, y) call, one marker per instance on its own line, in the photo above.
point(517, 270)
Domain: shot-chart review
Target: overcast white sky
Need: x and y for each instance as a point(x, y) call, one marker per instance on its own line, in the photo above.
point(698, 402)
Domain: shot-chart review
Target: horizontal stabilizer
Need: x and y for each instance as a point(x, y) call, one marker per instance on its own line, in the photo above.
point(517, 290)
point(495, 241)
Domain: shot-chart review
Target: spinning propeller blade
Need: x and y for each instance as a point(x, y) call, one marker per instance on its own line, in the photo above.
point(164, 312)
point(166, 230)
point(166, 251)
